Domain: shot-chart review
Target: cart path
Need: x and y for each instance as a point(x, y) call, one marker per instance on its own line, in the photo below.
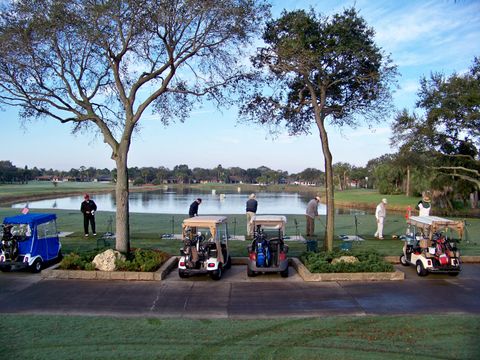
point(238, 297)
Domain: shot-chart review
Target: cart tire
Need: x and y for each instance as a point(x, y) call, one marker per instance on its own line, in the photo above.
point(182, 274)
point(421, 271)
point(36, 266)
point(403, 260)
point(59, 256)
point(284, 273)
point(217, 274)
point(250, 272)
point(6, 268)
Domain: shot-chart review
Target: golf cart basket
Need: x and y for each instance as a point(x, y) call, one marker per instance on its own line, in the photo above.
point(29, 239)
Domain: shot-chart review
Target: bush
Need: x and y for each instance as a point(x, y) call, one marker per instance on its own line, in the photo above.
point(144, 260)
point(74, 261)
point(369, 261)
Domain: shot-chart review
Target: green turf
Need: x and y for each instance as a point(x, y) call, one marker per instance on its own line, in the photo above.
point(147, 231)
point(372, 337)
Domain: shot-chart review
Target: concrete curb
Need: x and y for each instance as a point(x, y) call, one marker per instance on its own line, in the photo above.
point(308, 276)
point(55, 273)
point(470, 259)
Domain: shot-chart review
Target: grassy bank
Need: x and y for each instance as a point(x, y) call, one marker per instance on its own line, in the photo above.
point(45, 189)
point(379, 337)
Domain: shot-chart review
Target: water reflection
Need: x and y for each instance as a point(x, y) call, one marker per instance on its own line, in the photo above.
point(178, 202)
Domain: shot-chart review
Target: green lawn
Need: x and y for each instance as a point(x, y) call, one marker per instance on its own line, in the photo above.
point(371, 337)
point(147, 231)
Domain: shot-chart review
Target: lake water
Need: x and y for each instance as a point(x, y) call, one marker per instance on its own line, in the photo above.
point(178, 202)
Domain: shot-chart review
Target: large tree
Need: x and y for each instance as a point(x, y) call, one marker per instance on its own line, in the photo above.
point(322, 69)
point(448, 128)
point(104, 63)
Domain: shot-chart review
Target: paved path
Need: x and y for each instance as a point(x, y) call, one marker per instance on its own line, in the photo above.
point(238, 297)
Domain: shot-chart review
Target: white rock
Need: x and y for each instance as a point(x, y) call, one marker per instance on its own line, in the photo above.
point(106, 261)
point(347, 259)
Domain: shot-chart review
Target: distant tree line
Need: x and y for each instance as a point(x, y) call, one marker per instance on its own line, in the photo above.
point(347, 175)
point(390, 174)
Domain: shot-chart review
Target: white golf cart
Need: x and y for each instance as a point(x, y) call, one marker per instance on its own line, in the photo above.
point(429, 247)
point(205, 247)
point(268, 252)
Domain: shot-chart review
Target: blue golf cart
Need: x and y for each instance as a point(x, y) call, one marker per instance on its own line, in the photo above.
point(29, 241)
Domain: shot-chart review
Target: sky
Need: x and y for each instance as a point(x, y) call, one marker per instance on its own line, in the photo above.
point(421, 37)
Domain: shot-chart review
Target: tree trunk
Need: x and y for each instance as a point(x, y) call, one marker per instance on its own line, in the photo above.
point(122, 219)
point(407, 192)
point(329, 186)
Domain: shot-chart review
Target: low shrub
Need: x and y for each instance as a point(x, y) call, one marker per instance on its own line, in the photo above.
point(369, 261)
point(75, 261)
point(144, 260)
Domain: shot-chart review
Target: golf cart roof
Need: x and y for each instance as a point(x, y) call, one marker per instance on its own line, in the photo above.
point(270, 221)
point(29, 219)
point(207, 221)
point(435, 223)
point(204, 221)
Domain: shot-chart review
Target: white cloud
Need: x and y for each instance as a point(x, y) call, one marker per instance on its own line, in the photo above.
point(408, 87)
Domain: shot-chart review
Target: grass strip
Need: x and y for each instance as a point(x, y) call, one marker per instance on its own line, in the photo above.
point(371, 337)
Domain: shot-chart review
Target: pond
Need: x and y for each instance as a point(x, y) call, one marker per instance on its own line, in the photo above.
point(177, 201)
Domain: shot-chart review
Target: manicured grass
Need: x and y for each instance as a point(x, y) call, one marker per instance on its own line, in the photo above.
point(378, 337)
point(147, 231)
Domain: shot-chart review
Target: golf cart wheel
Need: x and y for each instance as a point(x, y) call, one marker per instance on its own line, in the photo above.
point(284, 273)
point(250, 272)
point(403, 260)
point(182, 274)
point(421, 271)
point(6, 268)
point(59, 256)
point(36, 266)
point(217, 274)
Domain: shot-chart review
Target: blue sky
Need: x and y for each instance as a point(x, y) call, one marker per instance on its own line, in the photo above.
point(421, 36)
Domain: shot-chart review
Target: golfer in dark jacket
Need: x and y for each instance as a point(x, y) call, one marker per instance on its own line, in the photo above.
point(251, 211)
point(88, 209)
point(193, 211)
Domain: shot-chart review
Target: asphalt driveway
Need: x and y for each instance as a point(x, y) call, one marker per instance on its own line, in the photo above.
point(236, 296)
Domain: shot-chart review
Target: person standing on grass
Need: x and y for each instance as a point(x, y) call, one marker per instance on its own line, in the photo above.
point(424, 206)
point(193, 211)
point(88, 209)
point(251, 209)
point(380, 215)
point(312, 211)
